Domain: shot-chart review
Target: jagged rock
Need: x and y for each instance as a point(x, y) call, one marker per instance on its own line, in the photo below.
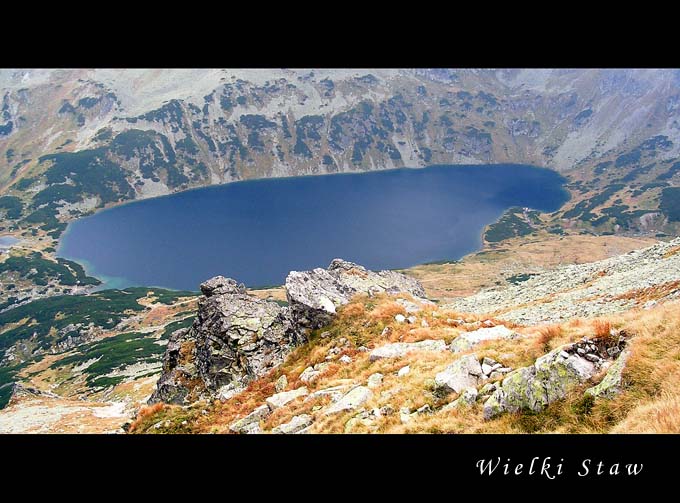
point(403, 371)
point(281, 384)
point(400, 318)
point(235, 338)
point(345, 359)
point(374, 380)
point(467, 397)
point(538, 385)
point(405, 415)
point(463, 373)
point(284, 398)
point(610, 385)
point(314, 296)
point(219, 285)
point(400, 349)
point(467, 340)
point(309, 375)
point(295, 425)
point(245, 424)
point(354, 398)
point(180, 380)
point(335, 392)
point(411, 320)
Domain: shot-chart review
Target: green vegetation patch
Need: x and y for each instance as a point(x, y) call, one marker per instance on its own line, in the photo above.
point(113, 353)
point(7, 375)
point(12, 207)
point(670, 203)
point(41, 270)
point(104, 309)
point(509, 226)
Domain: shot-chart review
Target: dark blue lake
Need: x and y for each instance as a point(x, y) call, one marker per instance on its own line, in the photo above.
point(257, 231)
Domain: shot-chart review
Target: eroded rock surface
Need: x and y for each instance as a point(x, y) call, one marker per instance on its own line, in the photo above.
point(550, 377)
point(315, 295)
point(237, 337)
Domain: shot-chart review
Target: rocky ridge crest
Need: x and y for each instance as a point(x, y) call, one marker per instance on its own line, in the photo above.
point(237, 337)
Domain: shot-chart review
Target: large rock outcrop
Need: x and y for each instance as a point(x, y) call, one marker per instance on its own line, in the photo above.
point(315, 295)
point(552, 376)
point(237, 337)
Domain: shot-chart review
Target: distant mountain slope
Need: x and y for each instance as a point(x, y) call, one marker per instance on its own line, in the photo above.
point(75, 140)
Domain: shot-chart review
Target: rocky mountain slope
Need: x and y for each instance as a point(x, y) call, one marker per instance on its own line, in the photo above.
point(382, 358)
point(638, 278)
point(351, 350)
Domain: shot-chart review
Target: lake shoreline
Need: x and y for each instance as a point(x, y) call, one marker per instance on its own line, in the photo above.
point(116, 280)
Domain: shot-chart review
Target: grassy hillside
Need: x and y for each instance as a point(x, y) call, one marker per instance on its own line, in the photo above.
point(648, 403)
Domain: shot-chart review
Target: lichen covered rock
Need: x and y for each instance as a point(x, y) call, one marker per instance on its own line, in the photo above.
point(315, 295)
point(464, 373)
point(237, 337)
point(611, 384)
point(234, 339)
point(538, 385)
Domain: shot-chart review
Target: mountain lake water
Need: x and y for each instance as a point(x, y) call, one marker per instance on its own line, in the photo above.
point(257, 231)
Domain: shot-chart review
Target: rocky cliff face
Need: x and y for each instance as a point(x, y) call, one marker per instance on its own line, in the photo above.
point(234, 338)
point(237, 337)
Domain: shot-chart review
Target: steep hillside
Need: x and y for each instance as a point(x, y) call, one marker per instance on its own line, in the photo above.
point(392, 362)
point(351, 350)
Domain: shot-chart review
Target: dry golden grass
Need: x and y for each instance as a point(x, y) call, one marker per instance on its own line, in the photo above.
point(656, 292)
point(602, 328)
point(660, 416)
point(648, 401)
point(144, 413)
point(547, 334)
point(671, 252)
